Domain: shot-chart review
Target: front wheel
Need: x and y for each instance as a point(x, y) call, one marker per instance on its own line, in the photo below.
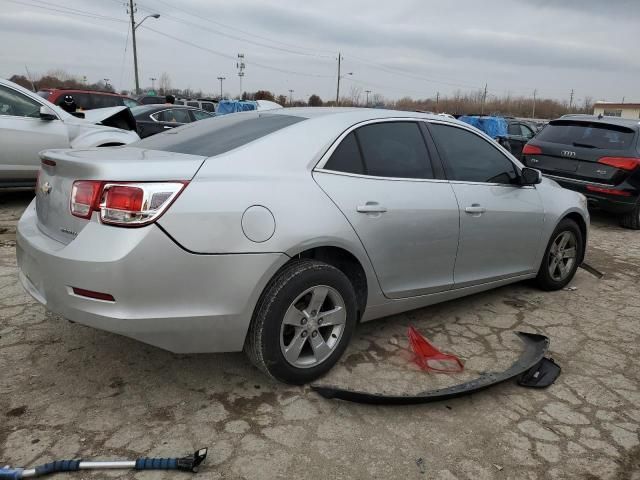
point(562, 256)
point(303, 322)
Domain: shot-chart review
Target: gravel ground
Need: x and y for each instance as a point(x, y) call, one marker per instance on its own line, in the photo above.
point(70, 391)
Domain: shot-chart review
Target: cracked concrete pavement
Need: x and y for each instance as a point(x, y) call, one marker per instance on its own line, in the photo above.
point(68, 391)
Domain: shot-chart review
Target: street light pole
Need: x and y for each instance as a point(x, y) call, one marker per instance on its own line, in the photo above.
point(221, 79)
point(132, 10)
point(153, 83)
point(367, 92)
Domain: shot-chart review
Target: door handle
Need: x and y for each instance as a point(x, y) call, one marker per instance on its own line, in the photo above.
point(371, 207)
point(475, 209)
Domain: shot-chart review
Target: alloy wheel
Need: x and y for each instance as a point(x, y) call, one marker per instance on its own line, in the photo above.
point(562, 255)
point(312, 326)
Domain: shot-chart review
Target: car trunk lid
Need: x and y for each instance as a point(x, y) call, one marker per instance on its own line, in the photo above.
point(60, 168)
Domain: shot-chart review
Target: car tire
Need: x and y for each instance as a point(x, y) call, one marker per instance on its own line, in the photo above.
point(552, 277)
point(286, 322)
point(631, 219)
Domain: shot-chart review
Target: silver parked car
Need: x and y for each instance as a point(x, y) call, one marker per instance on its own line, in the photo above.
point(277, 232)
point(29, 124)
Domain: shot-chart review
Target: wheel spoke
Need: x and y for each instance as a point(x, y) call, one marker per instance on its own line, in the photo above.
point(569, 253)
point(564, 238)
point(319, 346)
point(335, 316)
point(292, 351)
point(553, 265)
point(293, 317)
point(318, 296)
point(563, 268)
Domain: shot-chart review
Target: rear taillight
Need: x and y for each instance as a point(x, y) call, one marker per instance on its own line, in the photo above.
point(124, 203)
point(608, 191)
point(84, 197)
point(531, 150)
point(623, 163)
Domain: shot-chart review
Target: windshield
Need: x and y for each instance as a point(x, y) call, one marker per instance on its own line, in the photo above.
point(218, 134)
point(587, 134)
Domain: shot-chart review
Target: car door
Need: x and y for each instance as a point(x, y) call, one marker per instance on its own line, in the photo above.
point(166, 120)
point(500, 221)
point(23, 134)
point(381, 177)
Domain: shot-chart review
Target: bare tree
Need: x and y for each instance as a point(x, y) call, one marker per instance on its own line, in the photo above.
point(164, 83)
point(355, 93)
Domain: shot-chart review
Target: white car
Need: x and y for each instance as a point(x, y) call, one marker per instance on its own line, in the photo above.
point(29, 124)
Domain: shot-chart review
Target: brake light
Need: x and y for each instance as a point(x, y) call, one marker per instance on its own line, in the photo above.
point(608, 191)
point(84, 197)
point(531, 150)
point(623, 163)
point(123, 203)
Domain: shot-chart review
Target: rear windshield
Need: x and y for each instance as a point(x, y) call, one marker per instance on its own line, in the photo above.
point(586, 134)
point(218, 135)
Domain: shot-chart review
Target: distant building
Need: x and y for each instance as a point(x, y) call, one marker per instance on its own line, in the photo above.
point(624, 110)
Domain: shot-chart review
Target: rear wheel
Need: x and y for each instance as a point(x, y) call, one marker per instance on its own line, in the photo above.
point(303, 322)
point(562, 256)
point(631, 219)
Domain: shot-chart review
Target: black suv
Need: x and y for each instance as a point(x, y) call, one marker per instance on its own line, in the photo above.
point(596, 156)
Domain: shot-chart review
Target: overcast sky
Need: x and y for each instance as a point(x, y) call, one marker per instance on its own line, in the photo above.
point(399, 48)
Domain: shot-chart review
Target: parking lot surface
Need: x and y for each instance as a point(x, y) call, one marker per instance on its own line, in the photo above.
point(68, 391)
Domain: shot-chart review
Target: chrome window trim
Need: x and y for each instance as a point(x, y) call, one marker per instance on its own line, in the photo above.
point(327, 155)
point(373, 177)
point(581, 182)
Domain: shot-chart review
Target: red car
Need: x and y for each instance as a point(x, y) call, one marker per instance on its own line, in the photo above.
point(87, 99)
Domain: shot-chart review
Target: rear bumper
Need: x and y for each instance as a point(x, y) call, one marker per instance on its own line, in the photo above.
point(602, 201)
point(164, 296)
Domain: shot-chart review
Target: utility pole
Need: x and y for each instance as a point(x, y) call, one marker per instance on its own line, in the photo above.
point(367, 92)
point(291, 96)
point(240, 66)
point(153, 83)
point(533, 110)
point(484, 99)
point(132, 10)
point(437, 100)
point(571, 99)
point(221, 79)
point(338, 87)
point(106, 83)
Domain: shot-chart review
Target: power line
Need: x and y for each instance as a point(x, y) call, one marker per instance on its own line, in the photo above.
point(61, 9)
point(234, 37)
point(231, 57)
point(236, 29)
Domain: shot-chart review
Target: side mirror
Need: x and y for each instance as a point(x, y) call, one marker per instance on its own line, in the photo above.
point(47, 114)
point(530, 176)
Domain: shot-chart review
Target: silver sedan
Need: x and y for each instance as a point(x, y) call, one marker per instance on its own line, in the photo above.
point(277, 232)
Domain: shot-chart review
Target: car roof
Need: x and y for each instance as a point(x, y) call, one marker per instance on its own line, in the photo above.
point(623, 122)
point(352, 115)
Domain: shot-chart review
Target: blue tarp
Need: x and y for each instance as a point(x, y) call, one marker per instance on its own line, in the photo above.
point(493, 126)
point(233, 106)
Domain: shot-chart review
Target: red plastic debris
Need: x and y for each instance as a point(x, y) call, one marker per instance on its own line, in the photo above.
point(429, 358)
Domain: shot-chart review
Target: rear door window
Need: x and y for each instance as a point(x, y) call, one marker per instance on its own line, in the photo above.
point(587, 134)
point(346, 157)
point(394, 149)
point(175, 115)
point(193, 104)
point(220, 134)
point(200, 115)
point(470, 158)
